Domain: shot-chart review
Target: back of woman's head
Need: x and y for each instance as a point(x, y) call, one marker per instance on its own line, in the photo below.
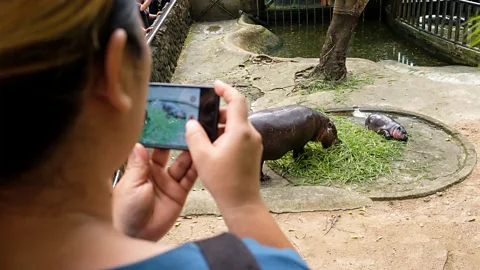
point(50, 52)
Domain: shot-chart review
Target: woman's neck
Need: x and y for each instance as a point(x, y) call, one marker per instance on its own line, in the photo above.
point(80, 192)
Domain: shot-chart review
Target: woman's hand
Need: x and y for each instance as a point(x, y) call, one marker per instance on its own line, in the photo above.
point(230, 167)
point(149, 197)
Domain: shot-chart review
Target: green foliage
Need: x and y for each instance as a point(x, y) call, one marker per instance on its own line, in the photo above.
point(362, 156)
point(341, 89)
point(474, 35)
point(160, 127)
point(474, 31)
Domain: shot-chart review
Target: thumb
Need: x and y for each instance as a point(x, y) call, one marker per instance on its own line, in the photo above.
point(199, 145)
point(136, 171)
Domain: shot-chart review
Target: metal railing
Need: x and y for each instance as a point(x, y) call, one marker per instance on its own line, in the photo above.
point(446, 19)
point(159, 21)
point(150, 36)
point(289, 11)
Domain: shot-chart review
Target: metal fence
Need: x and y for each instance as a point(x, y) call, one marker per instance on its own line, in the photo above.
point(283, 12)
point(149, 36)
point(159, 21)
point(446, 19)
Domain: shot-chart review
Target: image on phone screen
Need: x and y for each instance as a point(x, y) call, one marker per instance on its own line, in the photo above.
point(168, 109)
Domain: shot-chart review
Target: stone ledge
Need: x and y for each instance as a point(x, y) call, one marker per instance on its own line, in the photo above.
point(253, 38)
point(168, 42)
point(285, 200)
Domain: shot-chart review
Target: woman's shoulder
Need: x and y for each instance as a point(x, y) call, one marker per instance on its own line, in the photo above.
point(275, 258)
point(186, 255)
point(182, 257)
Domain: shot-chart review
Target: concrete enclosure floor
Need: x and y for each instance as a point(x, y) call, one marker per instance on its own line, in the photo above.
point(441, 231)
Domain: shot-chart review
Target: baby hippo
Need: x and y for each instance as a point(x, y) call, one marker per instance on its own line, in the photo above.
point(291, 128)
point(387, 126)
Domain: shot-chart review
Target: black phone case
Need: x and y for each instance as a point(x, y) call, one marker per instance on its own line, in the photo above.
point(212, 134)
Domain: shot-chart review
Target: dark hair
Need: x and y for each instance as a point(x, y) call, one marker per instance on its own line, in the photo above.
point(39, 103)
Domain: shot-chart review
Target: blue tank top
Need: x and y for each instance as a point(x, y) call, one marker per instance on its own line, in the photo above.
point(189, 256)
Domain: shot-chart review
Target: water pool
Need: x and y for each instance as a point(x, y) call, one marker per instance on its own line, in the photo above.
point(372, 40)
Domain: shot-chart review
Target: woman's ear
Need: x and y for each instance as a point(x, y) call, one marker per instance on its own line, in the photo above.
point(114, 60)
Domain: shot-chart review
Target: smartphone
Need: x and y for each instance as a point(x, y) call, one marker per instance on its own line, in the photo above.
point(170, 106)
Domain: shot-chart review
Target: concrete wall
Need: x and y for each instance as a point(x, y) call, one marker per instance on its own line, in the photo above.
point(168, 41)
point(216, 13)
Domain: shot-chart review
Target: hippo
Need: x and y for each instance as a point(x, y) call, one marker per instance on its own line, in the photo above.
point(170, 108)
point(385, 125)
point(291, 128)
point(174, 110)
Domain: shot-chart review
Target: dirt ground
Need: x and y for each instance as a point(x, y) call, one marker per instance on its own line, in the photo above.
point(437, 232)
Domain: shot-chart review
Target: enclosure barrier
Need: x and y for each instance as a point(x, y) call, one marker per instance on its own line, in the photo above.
point(150, 36)
point(445, 19)
point(283, 12)
point(289, 11)
point(159, 21)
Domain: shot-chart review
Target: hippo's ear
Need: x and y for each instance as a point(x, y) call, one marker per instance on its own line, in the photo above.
point(329, 125)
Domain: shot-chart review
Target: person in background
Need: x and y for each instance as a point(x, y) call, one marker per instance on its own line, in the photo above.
point(81, 70)
point(144, 17)
point(147, 18)
point(154, 7)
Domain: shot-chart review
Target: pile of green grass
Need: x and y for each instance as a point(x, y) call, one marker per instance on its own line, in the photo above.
point(352, 82)
point(362, 156)
point(159, 127)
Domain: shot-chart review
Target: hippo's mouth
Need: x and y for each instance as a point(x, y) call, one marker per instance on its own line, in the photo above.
point(398, 135)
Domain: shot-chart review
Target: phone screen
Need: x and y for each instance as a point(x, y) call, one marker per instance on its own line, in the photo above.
point(170, 106)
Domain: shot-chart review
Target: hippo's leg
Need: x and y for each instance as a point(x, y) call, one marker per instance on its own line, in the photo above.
point(263, 177)
point(298, 152)
point(386, 134)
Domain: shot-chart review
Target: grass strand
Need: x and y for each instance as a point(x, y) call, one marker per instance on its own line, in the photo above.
point(362, 156)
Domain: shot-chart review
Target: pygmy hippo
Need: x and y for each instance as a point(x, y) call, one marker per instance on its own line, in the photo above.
point(290, 128)
point(387, 126)
point(172, 109)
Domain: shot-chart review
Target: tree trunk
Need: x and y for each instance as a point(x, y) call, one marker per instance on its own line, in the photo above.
point(334, 51)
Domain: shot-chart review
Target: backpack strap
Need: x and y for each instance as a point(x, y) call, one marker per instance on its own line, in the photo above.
point(226, 251)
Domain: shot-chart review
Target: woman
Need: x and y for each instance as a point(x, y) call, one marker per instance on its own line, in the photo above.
point(77, 75)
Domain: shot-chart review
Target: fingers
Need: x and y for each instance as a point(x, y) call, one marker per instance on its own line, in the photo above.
point(237, 105)
point(188, 180)
point(167, 186)
point(223, 115)
point(220, 131)
point(160, 157)
point(180, 166)
point(198, 142)
point(221, 121)
point(137, 167)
